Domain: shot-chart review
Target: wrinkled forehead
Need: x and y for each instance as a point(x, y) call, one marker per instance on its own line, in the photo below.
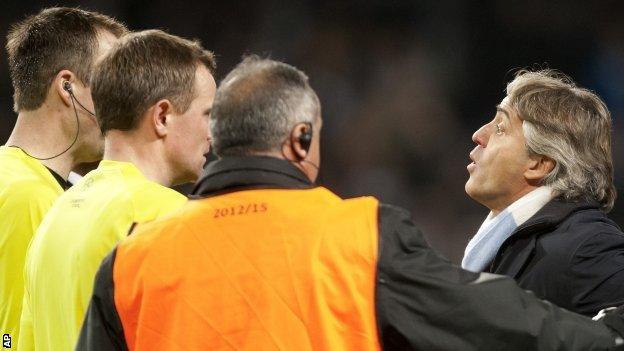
point(506, 103)
point(509, 112)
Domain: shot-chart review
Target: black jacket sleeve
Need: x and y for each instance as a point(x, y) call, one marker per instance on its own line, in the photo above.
point(102, 329)
point(424, 302)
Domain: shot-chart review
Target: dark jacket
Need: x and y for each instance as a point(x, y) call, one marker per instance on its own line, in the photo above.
point(568, 253)
point(422, 302)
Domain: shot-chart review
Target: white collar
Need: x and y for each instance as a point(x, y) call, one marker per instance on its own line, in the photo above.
point(494, 230)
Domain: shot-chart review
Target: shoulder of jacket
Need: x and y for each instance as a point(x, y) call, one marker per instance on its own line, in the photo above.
point(587, 223)
point(584, 231)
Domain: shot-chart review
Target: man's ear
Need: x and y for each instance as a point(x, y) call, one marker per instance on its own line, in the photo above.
point(539, 167)
point(295, 141)
point(59, 85)
point(160, 117)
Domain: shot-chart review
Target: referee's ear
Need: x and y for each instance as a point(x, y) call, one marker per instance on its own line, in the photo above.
point(58, 83)
point(158, 117)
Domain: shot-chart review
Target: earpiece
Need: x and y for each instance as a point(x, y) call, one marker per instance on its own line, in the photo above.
point(305, 139)
point(67, 86)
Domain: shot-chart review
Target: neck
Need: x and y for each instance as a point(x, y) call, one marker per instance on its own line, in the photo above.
point(145, 155)
point(305, 166)
point(502, 205)
point(35, 133)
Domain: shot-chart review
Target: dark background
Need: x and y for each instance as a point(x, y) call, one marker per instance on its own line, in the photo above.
point(403, 84)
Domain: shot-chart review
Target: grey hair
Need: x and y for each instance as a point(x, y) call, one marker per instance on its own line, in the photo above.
point(571, 126)
point(257, 106)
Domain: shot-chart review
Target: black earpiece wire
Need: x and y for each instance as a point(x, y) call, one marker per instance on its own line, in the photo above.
point(74, 101)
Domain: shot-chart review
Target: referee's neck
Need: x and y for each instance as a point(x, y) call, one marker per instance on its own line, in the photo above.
point(145, 154)
point(40, 135)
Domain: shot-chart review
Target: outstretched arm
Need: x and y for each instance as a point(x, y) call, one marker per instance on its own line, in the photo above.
point(426, 303)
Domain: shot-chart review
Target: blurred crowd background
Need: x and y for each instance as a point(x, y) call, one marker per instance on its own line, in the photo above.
point(403, 84)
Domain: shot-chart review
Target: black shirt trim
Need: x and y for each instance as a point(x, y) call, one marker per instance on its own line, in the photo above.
point(62, 182)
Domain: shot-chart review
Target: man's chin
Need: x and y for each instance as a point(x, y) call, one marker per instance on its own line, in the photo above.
point(192, 176)
point(469, 188)
point(93, 156)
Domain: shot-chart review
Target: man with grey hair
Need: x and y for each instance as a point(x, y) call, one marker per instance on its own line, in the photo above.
point(543, 167)
point(257, 125)
point(262, 259)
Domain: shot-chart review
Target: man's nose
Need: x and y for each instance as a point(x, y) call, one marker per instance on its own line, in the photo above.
point(480, 137)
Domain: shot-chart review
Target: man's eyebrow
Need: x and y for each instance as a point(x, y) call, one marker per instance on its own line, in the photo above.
point(499, 108)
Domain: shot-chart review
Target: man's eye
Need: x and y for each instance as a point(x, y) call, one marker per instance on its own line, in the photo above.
point(499, 129)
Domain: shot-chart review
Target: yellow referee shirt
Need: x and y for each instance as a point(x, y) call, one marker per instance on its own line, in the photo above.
point(27, 191)
point(82, 227)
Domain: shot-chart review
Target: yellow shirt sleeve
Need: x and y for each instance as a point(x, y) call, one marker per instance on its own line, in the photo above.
point(26, 341)
point(22, 207)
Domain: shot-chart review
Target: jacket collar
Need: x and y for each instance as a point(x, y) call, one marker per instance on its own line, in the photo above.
point(249, 172)
point(553, 213)
point(515, 257)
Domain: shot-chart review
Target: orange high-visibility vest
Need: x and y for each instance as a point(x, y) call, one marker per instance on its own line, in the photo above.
point(252, 270)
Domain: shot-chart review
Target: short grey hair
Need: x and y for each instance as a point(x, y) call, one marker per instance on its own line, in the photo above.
point(257, 106)
point(571, 126)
